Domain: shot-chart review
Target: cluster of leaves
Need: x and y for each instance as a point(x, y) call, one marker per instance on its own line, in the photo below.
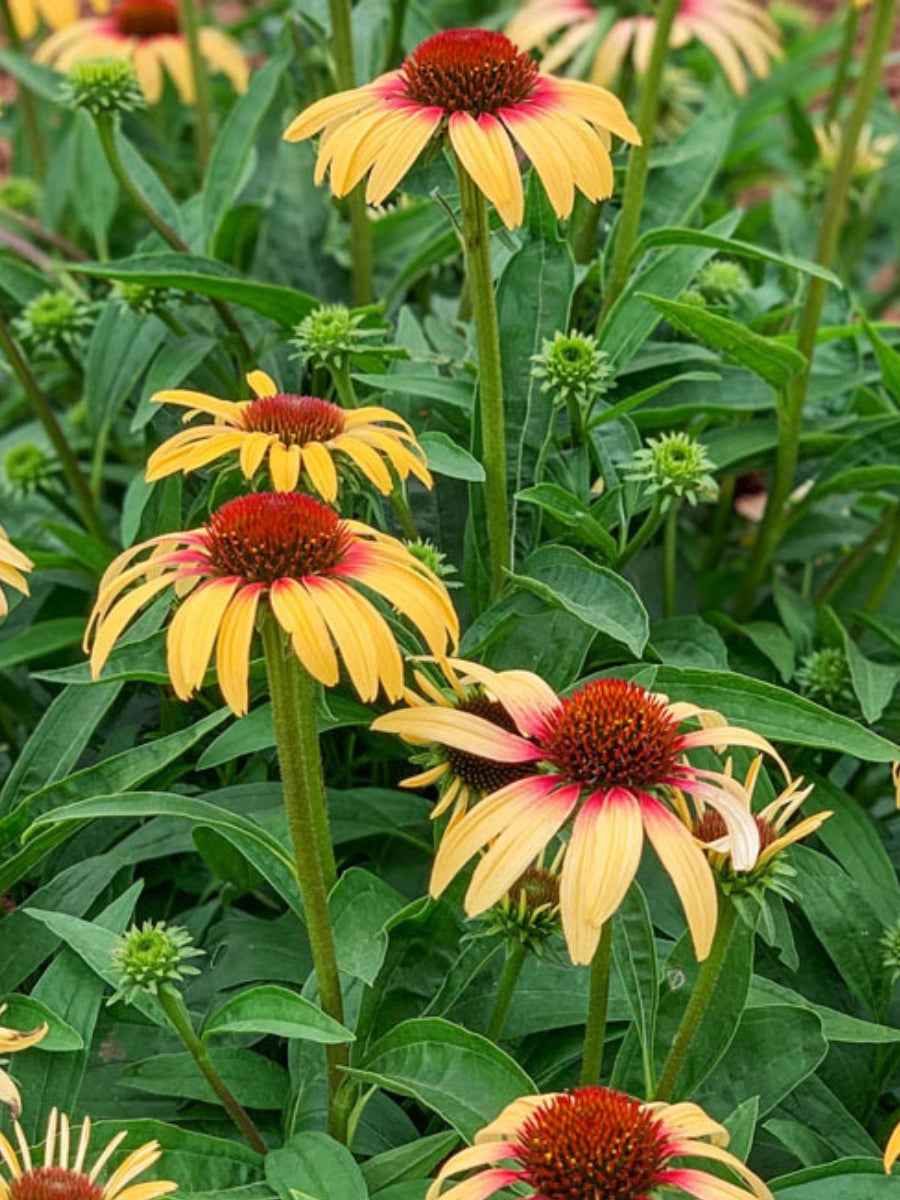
point(120, 804)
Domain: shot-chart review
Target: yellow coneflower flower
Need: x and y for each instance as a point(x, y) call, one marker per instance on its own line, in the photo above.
point(54, 1178)
point(461, 777)
point(487, 96)
point(28, 14)
point(596, 1142)
point(300, 435)
point(709, 828)
point(296, 557)
point(12, 565)
point(892, 1150)
point(608, 754)
point(12, 1040)
point(738, 33)
point(871, 154)
point(146, 33)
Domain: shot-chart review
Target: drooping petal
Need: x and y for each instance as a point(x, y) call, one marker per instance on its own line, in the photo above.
point(485, 150)
point(691, 1148)
point(401, 152)
point(233, 647)
point(687, 867)
point(299, 616)
point(459, 730)
point(702, 1186)
point(473, 1156)
point(193, 631)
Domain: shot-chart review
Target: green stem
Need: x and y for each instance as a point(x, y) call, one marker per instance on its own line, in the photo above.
point(174, 1008)
point(670, 558)
point(44, 412)
point(343, 381)
point(845, 58)
point(860, 555)
point(639, 162)
point(27, 102)
point(888, 569)
point(651, 523)
point(106, 131)
point(708, 977)
point(515, 960)
point(399, 10)
point(833, 217)
point(576, 420)
point(598, 1003)
point(293, 711)
point(476, 242)
point(718, 535)
point(190, 23)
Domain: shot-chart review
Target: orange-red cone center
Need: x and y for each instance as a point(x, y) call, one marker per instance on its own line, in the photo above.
point(146, 18)
point(275, 535)
point(296, 420)
point(469, 70)
point(711, 826)
point(592, 1143)
point(53, 1183)
point(612, 733)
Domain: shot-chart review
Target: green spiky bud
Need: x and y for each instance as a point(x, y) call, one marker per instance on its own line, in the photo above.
point(150, 955)
point(722, 280)
point(25, 467)
point(572, 367)
point(51, 320)
point(139, 297)
point(103, 86)
point(675, 465)
point(529, 912)
point(332, 334)
point(824, 676)
point(693, 297)
point(20, 194)
point(429, 555)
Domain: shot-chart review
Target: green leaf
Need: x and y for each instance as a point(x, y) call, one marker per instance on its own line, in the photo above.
point(254, 1081)
point(445, 457)
point(233, 148)
point(44, 637)
point(120, 350)
point(773, 361)
point(767, 709)
point(362, 908)
point(676, 236)
point(873, 682)
point(888, 358)
point(573, 513)
point(313, 1166)
point(26, 1012)
point(456, 1073)
point(846, 1179)
point(563, 578)
point(43, 81)
point(414, 1161)
point(277, 1011)
point(203, 1165)
point(634, 950)
point(206, 277)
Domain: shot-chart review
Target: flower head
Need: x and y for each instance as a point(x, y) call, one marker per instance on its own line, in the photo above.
point(675, 465)
point(721, 280)
point(299, 436)
point(27, 466)
point(56, 1179)
point(298, 559)
point(738, 33)
point(149, 955)
point(529, 912)
point(824, 676)
point(20, 194)
point(604, 759)
point(140, 297)
point(106, 85)
point(12, 1040)
point(51, 320)
point(598, 1143)
point(572, 367)
point(480, 90)
point(332, 335)
point(28, 14)
point(147, 34)
point(872, 151)
point(13, 566)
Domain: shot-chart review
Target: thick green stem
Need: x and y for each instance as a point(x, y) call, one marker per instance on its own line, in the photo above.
point(710, 971)
point(361, 268)
point(476, 242)
point(639, 163)
point(190, 23)
point(598, 1003)
point(42, 409)
point(845, 58)
point(833, 218)
point(399, 9)
point(670, 558)
point(515, 960)
point(174, 1008)
point(888, 569)
point(26, 100)
point(648, 528)
point(294, 715)
point(106, 131)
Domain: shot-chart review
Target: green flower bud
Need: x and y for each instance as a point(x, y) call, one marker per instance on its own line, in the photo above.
point(721, 280)
point(331, 335)
point(20, 194)
point(693, 297)
point(52, 320)
point(435, 560)
point(529, 912)
point(824, 676)
point(150, 955)
point(573, 368)
point(139, 297)
point(25, 467)
point(675, 465)
point(103, 86)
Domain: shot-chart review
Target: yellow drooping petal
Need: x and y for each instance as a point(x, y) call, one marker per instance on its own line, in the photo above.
point(319, 466)
point(298, 616)
point(686, 865)
point(193, 632)
point(485, 150)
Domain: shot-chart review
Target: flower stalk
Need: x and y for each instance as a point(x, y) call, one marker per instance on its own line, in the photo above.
point(476, 243)
point(845, 58)
point(190, 23)
point(791, 407)
point(670, 558)
point(174, 1008)
point(30, 118)
point(598, 1004)
point(708, 977)
point(516, 954)
point(293, 711)
point(639, 162)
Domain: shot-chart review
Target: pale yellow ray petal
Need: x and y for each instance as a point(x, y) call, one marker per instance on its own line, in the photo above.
point(598, 106)
point(331, 108)
point(284, 466)
point(459, 730)
point(473, 1156)
point(223, 53)
point(233, 647)
point(484, 149)
point(355, 639)
point(686, 865)
point(401, 152)
point(254, 448)
point(226, 410)
point(299, 616)
point(548, 159)
point(111, 626)
point(193, 631)
point(261, 384)
point(319, 466)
